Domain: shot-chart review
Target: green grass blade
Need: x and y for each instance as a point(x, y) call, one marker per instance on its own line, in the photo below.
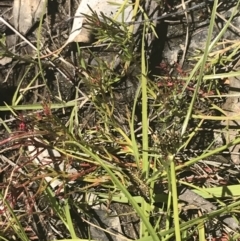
point(202, 67)
point(145, 161)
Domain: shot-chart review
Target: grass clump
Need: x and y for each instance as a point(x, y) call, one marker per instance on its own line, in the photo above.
point(120, 137)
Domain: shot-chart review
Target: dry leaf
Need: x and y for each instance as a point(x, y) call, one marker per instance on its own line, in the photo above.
point(26, 13)
point(5, 60)
point(109, 9)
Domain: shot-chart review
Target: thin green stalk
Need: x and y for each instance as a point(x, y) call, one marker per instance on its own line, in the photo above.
point(169, 201)
point(145, 157)
point(2, 238)
point(53, 202)
point(145, 161)
point(17, 101)
point(202, 67)
point(174, 199)
point(131, 125)
point(202, 61)
point(194, 160)
point(135, 10)
point(69, 220)
point(14, 99)
point(205, 155)
point(37, 106)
